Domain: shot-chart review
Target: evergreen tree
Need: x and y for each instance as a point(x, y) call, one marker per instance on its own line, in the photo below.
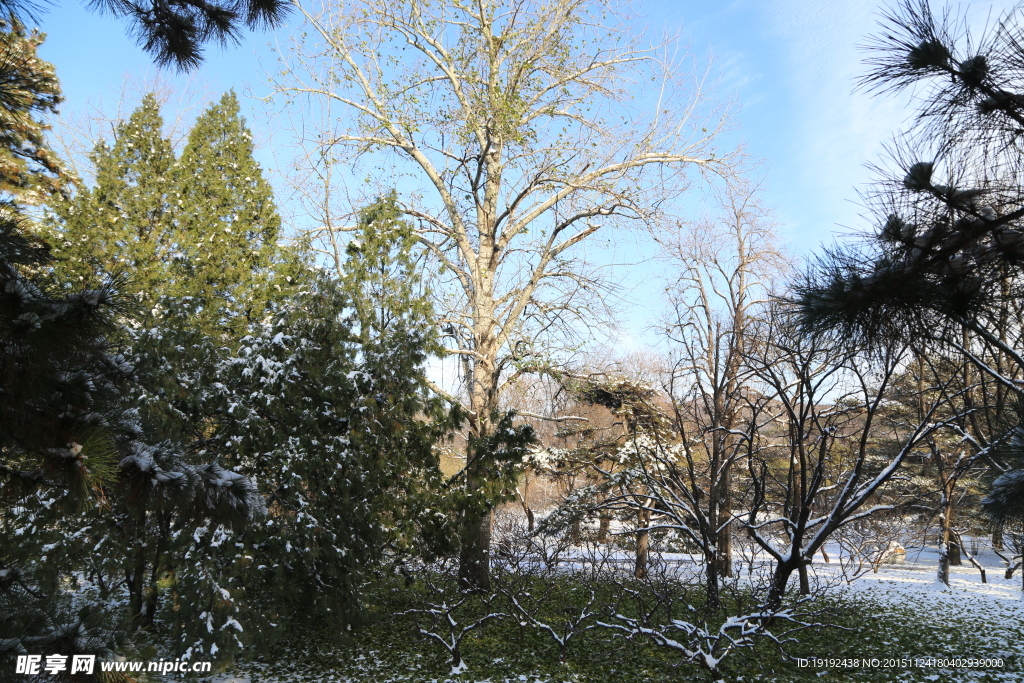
point(56, 373)
point(944, 270)
point(29, 169)
point(197, 238)
point(175, 31)
point(61, 382)
point(203, 226)
point(327, 405)
point(226, 222)
point(164, 497)
point(123, 224)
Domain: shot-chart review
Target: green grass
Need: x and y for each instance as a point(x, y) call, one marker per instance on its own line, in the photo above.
point(391, 649)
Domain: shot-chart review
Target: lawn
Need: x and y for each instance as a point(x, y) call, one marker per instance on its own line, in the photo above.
point(895, 615)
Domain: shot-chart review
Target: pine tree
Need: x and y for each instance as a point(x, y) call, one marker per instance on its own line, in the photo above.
point(175, 31)
point(29, 169)
point(56, 373)
point(192, 243)
point(61, 380)
point(944, 270)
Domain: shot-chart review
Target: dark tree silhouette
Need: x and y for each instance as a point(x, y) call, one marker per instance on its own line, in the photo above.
point(174, 32)
point(943, 272)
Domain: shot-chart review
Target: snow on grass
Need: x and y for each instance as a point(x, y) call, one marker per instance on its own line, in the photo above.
point(902, 611)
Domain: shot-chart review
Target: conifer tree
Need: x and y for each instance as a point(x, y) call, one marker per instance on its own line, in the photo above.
point(327, 404)
point(123, 224)
point(175, 31)
point(56, 374)
point(203, 225)
point(226, 222)
point(944, 270)
point(61, 381)
point(29, 169)
point(193, 242)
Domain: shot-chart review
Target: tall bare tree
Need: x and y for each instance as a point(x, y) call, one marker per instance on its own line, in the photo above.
point(532, 126)
point(725, 266)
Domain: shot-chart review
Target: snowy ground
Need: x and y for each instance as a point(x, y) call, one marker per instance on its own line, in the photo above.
point(991, 615)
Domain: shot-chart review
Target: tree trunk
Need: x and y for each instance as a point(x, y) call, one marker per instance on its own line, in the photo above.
point(780, 580)
point(945, 525)
point(724, 567)
point(152, 596)
point(643, 544)
point(475, 559)
point(947, 546)
point(724, 541)
point(805, 583)
point(955, 554)
point(997, 538)
point(524, 498)
point(711, 586)
point(153, 588)
point(603, 529)
point(136, 576)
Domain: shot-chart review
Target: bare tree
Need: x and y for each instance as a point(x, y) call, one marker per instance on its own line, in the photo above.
point(957, 457)
point(526, 125)
point(726, 265)
point(839, 446)
point(531, 577)
point(448, 615)
point(662, 613)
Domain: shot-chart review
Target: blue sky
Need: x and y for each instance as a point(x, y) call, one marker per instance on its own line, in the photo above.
point(788, 67)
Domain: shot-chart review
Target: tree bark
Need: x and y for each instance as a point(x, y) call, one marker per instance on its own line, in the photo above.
point(955, 554)
point(603, 529)
point(945, 525)
point(711, 584)
point(136, 576)
point(643, 545)
point(475, 559)
point(780, 580)
point(805, 582)
point(724, 564)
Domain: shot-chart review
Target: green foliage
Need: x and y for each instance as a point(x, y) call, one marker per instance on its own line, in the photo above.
point(163, 507)
point(381, 278)
point(62, 414)
point(226, 223)
point(203, 225)
point(504, 650)
point(327, 406)
point(498, 462)
point(59, 377)
point(29, 170)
